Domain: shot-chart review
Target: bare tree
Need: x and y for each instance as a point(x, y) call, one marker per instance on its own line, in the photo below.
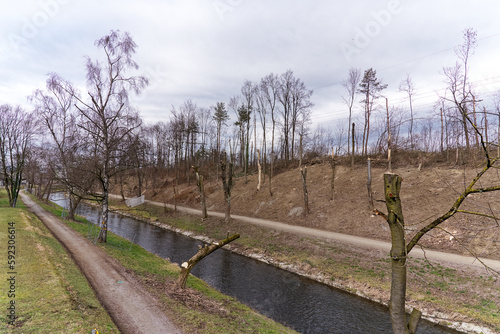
point(55, 106)
point(269, 90)
point(407, 86)
point(351, 85)
point(107, 117)
point(17, 129)
point(248, 91)
point(401, 249)
point(227, 182)
point(458, 84)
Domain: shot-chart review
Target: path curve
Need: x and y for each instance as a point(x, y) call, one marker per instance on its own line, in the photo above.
point(346, 238)
point(130, 306)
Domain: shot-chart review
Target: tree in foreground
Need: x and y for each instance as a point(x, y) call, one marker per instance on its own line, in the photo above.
point(400, 249)
point(107, 118)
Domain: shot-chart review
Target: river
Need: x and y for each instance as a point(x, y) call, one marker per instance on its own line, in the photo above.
point(295, 301)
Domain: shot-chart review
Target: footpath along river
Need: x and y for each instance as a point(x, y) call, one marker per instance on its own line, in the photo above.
point(298, 302)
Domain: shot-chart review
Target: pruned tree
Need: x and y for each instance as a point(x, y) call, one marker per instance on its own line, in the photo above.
point(402, 249)
point(17, 129)
point(303, 173)
point(332, 181)
point(370, 87)
point(201, 187)
point(227, 182)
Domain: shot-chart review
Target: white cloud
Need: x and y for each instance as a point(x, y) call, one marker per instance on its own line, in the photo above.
point(204, 50)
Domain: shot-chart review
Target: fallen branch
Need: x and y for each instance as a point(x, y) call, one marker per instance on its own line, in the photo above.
point(204, 251)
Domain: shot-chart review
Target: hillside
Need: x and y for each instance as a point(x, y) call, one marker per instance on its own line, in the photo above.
point(425, 194)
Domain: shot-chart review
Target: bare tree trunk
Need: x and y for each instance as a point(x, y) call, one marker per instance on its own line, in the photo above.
point(227, 183)
point(486, 126)
point(271, 172)
point(442, 130)
point(174, 185)
point(303, 172)
point(389, 162)
point(392, 186)
point(352, 154)
point(202, 253)
point(478, 145)
point(103, 232)
point(332, 162)
point(201, 188)
point(369, 184)
point(300, 148)
point(259, 167)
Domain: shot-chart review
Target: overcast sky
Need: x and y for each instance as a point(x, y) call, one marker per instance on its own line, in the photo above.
point(204, 49)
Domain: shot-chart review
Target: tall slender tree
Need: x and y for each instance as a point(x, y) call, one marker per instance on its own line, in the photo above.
point(220, 117)
point(408, 87)
point(17, 129)
point(107, 117)
point(350, 85)
point(370, 87)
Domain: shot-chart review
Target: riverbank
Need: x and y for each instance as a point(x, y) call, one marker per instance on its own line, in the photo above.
point(452, 296)
point(47, 293)
point(196, 309)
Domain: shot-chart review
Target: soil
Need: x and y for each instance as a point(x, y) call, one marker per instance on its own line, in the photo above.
point(425, 194)
point(131, 307)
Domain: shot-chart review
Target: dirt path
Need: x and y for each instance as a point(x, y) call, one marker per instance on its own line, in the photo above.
point(131, 307)
point(347, 239)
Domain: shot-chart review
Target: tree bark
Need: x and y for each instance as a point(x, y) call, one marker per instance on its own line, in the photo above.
point(201, 188)
point(369, 184)
point(392, 186)
point(103, 232)
point(352, 154)
point(227, 183)
point(303, 172)
point(259, 167)
point(202, 253)
point(332, 162)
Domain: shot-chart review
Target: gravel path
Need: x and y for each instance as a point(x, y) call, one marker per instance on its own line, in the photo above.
point(131, 307)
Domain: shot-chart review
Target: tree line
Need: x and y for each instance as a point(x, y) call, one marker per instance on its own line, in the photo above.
point(97, 134)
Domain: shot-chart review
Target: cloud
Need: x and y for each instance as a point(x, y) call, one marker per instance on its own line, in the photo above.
point(204, 50)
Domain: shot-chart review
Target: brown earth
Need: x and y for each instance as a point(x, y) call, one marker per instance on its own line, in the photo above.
point(425, 194)
point(447, 292)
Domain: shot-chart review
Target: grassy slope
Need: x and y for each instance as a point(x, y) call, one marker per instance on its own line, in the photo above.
point(199, 309)
point(52, 296)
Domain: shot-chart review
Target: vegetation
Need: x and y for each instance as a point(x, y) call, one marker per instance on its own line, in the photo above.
point(432, 287)
point(52, 295)
point(199, 308)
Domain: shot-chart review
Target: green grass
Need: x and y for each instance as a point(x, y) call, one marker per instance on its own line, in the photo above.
point(222, 315)
point(52, 296)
